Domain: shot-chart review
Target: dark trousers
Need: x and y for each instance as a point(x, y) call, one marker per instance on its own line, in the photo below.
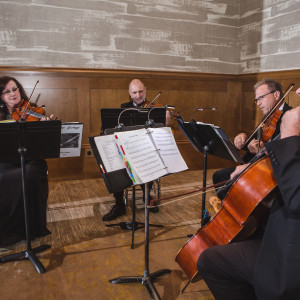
point(220, 176)
point(228, 269)
point(120, 195)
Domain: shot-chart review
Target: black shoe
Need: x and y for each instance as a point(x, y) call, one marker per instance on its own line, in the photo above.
point(116, 211)
point(154, 209)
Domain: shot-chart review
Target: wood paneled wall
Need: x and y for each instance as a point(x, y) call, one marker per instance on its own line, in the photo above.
point(79, 94)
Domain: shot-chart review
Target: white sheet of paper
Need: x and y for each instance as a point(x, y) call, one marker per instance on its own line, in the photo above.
point(165, 142)
point(108, 151)
point(71, 138)
point(138, 148)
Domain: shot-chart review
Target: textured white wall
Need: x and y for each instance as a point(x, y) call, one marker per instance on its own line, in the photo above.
point(214, 36)
point(269, 35)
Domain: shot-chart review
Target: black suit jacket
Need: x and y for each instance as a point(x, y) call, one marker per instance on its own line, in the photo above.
point(277, 271)
point(128, 105)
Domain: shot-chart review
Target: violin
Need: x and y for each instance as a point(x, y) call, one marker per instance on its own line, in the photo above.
point(268, 123)
point(28, 111)
point(270, 126)
point(148, 104)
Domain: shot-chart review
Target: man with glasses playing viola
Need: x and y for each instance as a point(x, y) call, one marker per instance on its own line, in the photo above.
point(267, 94)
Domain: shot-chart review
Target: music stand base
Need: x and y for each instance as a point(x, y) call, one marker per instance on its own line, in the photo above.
point(128, 225)
point(28, 254)
point(145, 280)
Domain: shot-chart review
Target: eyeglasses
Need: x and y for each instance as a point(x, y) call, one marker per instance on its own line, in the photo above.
point(263, 96)
point(13, 90)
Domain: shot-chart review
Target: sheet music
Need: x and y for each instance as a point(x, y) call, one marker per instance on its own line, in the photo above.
point(138, 149)
point(108, 151)
point(166, 144)
point(71, 137)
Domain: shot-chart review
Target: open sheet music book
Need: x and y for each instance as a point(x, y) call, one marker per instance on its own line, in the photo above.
point(146, 154)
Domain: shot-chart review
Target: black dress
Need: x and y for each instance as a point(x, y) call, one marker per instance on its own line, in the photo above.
point(12, 222)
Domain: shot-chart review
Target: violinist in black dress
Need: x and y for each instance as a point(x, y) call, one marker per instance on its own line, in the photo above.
point(12, 223)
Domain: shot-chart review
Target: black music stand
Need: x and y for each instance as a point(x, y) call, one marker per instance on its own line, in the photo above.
point(147, 278)
point(132, 119)
point(133, 225)
point(208, 139)
point(28, 141)
point(130, 116)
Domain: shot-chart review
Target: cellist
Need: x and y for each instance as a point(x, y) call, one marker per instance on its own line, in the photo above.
point(267, 94)
point(137, 93)
point(267, 266)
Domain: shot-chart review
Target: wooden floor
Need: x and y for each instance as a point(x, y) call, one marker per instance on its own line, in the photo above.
point(85, 253)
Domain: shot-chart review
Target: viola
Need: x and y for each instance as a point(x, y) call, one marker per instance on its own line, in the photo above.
point(244, 208)
point(269, 127)
point(268, 123)
point(28, 111)
point(148, 104)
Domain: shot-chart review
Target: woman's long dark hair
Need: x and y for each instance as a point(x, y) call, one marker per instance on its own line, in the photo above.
point(3, 82)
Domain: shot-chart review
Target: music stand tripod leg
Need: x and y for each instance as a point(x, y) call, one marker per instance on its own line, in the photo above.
point(131, 226)
point(147, 278)
point(29, 253)
point(135, 225)
point(204, 215)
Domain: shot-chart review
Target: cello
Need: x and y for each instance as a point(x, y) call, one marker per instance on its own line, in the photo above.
point(244, 208)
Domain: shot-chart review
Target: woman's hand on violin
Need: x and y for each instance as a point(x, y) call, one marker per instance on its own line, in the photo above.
point(47, 118)
point(239, 140)
point(238, 170)
point(253, 146)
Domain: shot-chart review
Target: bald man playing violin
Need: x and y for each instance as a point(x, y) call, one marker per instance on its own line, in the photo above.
point(267, 94)
point(137, 93)
point(266, 266)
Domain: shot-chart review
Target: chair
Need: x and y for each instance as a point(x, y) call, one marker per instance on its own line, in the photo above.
point(155, 188)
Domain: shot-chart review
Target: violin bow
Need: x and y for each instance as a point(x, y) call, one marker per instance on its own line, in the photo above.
point(153, 100)
point(26, 107)
point(188, 194)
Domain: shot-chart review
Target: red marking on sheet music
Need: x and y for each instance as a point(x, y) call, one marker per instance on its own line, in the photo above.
point(122, 150)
